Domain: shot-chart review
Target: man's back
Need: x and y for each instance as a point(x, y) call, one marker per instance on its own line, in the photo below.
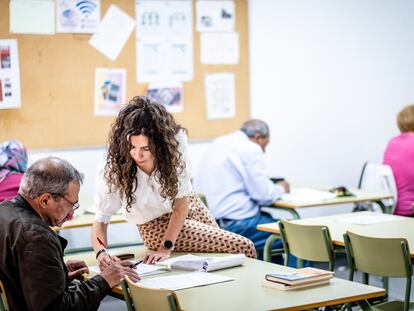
point(233, 177)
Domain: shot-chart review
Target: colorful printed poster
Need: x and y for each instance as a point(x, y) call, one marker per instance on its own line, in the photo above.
point(168, 94)
point(110, 84)
point(9, 75)
point(78, 16)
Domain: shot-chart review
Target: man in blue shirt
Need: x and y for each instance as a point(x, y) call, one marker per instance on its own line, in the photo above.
point(234, 179)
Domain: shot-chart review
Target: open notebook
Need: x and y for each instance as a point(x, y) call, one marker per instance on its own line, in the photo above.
point(206, 264)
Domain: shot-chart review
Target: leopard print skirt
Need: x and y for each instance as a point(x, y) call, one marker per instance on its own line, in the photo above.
point(200, 233)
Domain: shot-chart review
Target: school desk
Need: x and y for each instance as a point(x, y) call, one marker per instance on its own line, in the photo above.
point(291, 207)
point(247, 293)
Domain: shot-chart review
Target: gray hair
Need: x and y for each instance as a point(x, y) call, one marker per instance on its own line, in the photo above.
point(255, 126)
point(49, 175)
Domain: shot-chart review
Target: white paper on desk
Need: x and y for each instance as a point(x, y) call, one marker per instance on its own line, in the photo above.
point(113, 32)
point(368, 219)
point(32, 16)
point(185, 280)
point(202, 263)
point(220, 95)
point(143, 269)
point(219, 48)
point(307, 195)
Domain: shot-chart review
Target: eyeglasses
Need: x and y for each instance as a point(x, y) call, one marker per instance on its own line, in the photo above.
point(75, 206)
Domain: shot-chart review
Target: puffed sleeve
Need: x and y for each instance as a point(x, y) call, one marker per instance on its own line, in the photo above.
point(106, 203)
point(184, 179)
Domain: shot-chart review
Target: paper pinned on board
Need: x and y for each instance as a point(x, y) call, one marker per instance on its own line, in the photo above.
point(32, 17)
point(113, 32)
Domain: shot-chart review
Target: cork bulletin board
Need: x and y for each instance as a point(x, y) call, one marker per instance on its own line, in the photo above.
point(57, 75)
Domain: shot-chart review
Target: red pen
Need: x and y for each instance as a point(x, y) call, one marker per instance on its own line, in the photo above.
point(103, 245)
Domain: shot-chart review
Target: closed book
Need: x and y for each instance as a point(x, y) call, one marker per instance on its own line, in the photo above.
point(282, 286)
point(300, 276)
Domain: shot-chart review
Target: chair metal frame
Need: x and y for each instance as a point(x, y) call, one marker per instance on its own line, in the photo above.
point(330, 250)
point(405, 253)
point(170, 296)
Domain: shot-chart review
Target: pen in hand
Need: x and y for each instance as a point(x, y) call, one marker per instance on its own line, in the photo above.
point(134, 265)
point(104, 247)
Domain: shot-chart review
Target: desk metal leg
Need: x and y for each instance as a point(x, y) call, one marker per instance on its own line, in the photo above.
point(267, 251)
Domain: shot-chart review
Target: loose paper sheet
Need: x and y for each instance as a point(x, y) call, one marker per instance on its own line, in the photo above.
point(369, 219)
point(110, 84)
point(220, 95)
point(9, 75)
point(219, 48)
point(78, 16)
point(169, 94)
point(164, 46)
point(185, 280)
point(217, 16)
point(32, 16)
point(113, 32)
point(307, 196)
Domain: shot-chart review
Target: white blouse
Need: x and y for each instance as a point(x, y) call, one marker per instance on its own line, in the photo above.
point(149, 204)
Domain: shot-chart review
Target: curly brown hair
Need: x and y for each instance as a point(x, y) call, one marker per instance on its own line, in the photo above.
point(144, 116)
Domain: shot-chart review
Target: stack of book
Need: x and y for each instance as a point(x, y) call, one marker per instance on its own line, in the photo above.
point(299, 278)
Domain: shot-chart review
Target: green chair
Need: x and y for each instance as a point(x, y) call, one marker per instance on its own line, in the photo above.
point(387, 257)
point(141, 298)
point(4, 306)
point(203, 198)
point(307, 242)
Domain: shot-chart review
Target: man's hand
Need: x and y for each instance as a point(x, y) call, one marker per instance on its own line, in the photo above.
point(104, 260)
point(160, 255)
point(116, 271)
point(76, 268)
point(285, 185)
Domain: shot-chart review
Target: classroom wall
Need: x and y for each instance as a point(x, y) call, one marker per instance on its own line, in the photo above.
point(329, 77)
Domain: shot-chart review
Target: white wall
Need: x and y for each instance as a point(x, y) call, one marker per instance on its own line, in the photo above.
point(329, 77)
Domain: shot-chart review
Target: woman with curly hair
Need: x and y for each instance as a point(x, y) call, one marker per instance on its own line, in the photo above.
point(146, 175)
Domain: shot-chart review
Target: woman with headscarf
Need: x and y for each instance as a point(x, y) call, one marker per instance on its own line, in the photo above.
point(13, 163)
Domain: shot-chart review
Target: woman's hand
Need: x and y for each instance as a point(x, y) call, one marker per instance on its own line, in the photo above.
point(160, 255)
point(104, 260)
point(76, 268)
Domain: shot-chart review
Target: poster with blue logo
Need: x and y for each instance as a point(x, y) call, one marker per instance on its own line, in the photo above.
point(78, 16)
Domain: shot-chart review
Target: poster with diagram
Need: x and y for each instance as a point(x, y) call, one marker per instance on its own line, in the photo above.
point(110, 86)
point(78, 16)
point(164, 40)
point(170, 95)
point(9, 75)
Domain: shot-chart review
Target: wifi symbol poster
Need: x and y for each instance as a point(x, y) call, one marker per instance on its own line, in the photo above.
point(78, 16)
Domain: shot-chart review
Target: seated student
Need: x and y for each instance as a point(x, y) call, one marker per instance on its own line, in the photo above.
point(234, 179)
point(399, 155)
point(32, 269)
point(146, 175)
point(13, 163)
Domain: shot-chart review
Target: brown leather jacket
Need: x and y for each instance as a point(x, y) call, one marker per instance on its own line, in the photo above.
point(32, 269)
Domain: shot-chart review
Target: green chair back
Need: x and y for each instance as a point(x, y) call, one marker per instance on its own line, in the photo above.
point(203, 198)
point(387, 257)
point(140, 298)
point(307, 242)
point(4, 306)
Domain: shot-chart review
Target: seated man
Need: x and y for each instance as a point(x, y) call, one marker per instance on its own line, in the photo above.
point(32, 269)
point(234, 179)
